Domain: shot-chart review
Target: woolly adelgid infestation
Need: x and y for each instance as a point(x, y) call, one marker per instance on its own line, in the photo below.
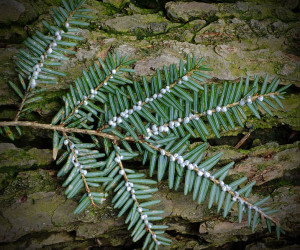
point(108, 119)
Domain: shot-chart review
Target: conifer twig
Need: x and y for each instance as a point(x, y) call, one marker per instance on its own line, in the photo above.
point(29, 87)
point(103, 82)
point(173, 84)
point(223, 109)
point(217, 182)
point(87, 189)
point(123, 173)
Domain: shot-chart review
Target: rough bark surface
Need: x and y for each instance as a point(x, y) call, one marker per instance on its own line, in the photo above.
point(236, 38)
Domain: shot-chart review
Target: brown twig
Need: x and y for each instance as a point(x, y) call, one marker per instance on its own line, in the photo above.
point(63, 129)
point(242, 141)
point(22, 104)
